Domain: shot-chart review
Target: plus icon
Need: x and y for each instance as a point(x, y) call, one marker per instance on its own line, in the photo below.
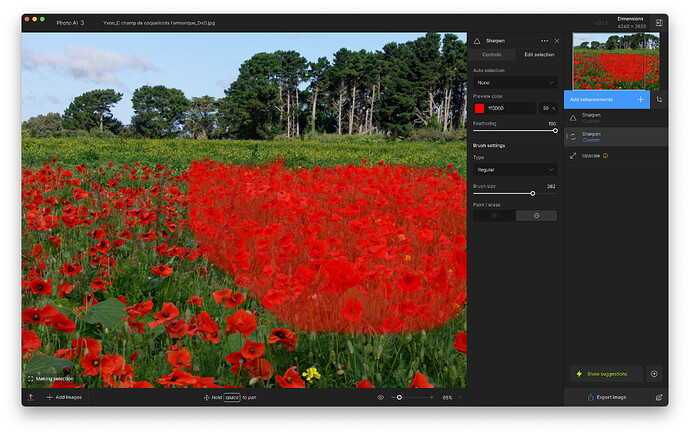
point(640, 99)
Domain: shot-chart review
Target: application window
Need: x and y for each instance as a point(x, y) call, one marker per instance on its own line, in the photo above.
point(371, 210)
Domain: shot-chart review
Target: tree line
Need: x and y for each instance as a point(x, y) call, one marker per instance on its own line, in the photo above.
point(403, 87)
point(637, 41)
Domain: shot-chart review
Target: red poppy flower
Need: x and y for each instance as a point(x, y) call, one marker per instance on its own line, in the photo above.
point(259, 368)
point(135, 326)
point(162, 270)
point(140, 309)
point(205, 326)
point(99, 284)
point(420, 381)
point(461, 299)
point(179, 378)
point(168, 313)
point(142, 384)
point(353, 310)
point(40, 287)
point(55, 240)
point(70, 269)
point(426, 236)
point(177, 328)
point(290, 379)
point(342, 275)
point(228, 298)
point(251, 350)
point(461, 342)
point(91, 364)
point(180, 358)
point(62, 323)
point(65, 288)
point(115, 372)
point(285, 336)
point(150, 236)
point(90, 344)
point(364, 384)
point(318, 248)
point(242, 322)
point(410, 282)
point(64, 384)
point(43, 315)
point(205, 382)
point(234, 359)
point(38, 249)
point(30, 341)
point(195, 300)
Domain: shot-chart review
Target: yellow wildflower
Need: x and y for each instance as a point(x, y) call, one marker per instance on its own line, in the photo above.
point(311, 373)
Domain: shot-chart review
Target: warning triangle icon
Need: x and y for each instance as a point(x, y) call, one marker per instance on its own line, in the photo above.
point(572, 118)
point(477, 41)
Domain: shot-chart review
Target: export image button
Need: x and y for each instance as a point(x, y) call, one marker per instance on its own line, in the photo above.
point(606, 374)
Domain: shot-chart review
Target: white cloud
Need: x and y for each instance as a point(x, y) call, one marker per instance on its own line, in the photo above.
point(87, 64)
point(225, 83)
point(53, 99)
point(583, 37)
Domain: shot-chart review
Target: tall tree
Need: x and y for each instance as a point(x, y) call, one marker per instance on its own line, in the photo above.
point(290, 73)
point(371, 84)
point(651, 41)
point(397, 100)
point(91, 109)
point(252, 107)
point(612, 42)
point(454, 79)
point(426, 66)
point(335, 75)
point(159, 112)
point(316, 74)
point(200, 117)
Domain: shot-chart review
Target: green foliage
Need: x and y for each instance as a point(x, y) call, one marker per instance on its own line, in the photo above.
point(92, 109)
point(74, 133)
point(200, 117)
point(158, 111)
point(46, 365)
point(43, 125)
point(108, 313)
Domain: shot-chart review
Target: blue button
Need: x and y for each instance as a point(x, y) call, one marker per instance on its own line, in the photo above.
point(596, 99)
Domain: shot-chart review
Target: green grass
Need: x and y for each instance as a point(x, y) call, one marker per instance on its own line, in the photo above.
point(618, 51)
point(177, 153)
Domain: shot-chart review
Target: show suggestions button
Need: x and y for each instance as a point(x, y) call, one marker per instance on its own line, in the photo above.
point(606, 374)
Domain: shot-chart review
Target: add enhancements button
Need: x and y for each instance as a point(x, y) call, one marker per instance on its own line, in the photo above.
point(595, 99)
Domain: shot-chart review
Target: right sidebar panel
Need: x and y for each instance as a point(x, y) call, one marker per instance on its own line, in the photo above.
point(616, 220)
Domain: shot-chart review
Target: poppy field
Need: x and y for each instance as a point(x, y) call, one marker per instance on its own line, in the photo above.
point(616, 69)
point(275, 264)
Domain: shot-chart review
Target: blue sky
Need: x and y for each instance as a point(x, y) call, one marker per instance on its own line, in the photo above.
point(56, 67)
point(579, 38)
